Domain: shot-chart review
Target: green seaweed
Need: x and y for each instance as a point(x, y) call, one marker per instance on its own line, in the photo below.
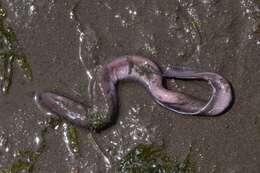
point(26, 159)
point(7, 72)
point(2, 12)
point(10, 53)
point(144, 70)
point(153, 159)
point(17, 167)
point(54, 122)
point(25, 66)
point(195, 26)
point(71, 132)
point(186, 166)
point(97, 120)
point(98, 124)
point(73, 139)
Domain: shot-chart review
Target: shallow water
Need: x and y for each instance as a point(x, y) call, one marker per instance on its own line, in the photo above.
point(66, 40)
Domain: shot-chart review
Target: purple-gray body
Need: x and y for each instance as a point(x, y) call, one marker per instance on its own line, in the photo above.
point(104, 106)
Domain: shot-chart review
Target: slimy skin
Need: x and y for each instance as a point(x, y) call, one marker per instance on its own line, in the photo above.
point(104, 103)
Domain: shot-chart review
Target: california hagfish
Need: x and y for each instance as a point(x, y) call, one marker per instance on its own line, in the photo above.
point(104, 105)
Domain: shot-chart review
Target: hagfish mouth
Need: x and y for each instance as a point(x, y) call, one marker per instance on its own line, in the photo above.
point(144, 71)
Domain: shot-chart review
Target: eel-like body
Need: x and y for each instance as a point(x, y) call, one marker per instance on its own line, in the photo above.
point(104, 104)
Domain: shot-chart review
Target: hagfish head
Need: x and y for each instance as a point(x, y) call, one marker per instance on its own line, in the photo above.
point(52, 103)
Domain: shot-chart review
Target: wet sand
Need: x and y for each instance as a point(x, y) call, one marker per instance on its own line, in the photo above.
point(66, 40)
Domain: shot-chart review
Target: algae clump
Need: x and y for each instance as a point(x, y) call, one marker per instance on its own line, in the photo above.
point(10, 53)
point(152, 159)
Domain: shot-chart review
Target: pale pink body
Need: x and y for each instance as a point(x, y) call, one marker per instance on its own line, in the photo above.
point(147, 73)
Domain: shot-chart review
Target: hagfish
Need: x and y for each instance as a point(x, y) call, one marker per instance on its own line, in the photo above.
point(104, 104)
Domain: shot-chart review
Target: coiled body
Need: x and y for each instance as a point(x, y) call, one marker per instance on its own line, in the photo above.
point(104, 105)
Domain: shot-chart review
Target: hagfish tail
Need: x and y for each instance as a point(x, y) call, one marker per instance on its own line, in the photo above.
point(104, 104)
